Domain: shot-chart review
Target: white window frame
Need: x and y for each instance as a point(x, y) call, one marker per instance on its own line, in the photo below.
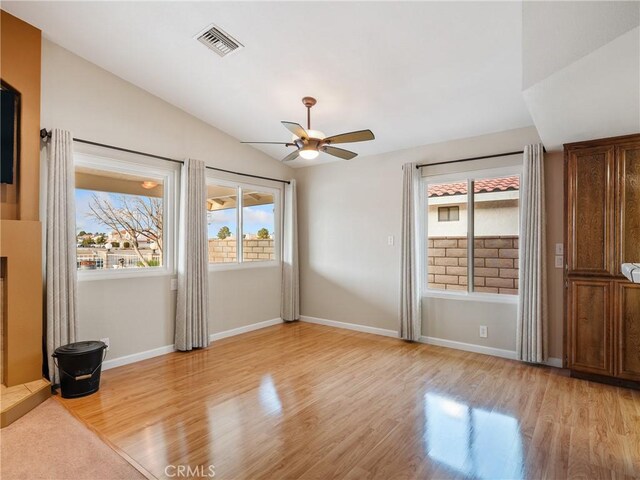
point(467, 176)
point(240, 264)
point(164, 172)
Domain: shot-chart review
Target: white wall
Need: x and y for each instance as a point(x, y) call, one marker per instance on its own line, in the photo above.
point(137, 314)
point(492, 217)
point(556, 34)
point(348, 271)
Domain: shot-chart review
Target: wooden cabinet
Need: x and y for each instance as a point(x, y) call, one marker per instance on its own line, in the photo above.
point(591, 213)
point(590, 315)
point(628, 201)
point(628, 331)
point(602, 231)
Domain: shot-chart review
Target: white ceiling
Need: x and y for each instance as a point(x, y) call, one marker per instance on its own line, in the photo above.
point(414, 73)
point(556, 34)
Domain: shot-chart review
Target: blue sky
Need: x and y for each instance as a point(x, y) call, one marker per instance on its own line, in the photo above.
point(83, 221)
point(255, 217)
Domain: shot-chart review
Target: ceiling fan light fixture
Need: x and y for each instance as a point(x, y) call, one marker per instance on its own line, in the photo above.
point(309, 154)
point(309, 143)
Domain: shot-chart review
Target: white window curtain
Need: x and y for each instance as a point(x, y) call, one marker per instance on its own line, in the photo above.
point(290, 300)
point(192, 327)
point(410, 310)
point(531, 343)
point(61, 269)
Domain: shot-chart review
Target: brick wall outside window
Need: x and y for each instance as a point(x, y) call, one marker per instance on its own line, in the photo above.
point(224, 251)
point(495, 265)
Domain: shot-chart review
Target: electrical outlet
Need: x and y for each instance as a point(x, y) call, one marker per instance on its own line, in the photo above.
point(106, 342)
point(174, 284)
point(483, 331)
point(559, 261)
point(390, 240)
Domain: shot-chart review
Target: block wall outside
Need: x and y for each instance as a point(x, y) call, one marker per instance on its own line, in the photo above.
point(495, 264)
point(224, 251)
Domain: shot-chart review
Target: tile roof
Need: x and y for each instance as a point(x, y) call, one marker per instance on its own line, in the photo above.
point(488, 185)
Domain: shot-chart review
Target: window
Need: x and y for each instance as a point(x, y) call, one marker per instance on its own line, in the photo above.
point(222, 220)
point(447, 242)
point(472, 238)
point(123, 216)
point(258, 226)
point(448, 214)
point(242, 212)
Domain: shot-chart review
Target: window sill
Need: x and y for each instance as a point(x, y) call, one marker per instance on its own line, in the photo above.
point(472, 297)
point(122, 273)
point(222, 267)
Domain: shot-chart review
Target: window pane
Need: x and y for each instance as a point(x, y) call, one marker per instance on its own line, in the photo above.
point(118, 220)
point(222, 223)
point(258, 226)
point(496, 221)
point(447, 242)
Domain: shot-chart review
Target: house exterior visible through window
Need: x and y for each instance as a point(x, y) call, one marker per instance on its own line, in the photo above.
point(123, 218)
point(448, 214)
point(478, 251)
point(243, 223)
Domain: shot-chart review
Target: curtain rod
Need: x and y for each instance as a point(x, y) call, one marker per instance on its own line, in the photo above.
point(45, 135)
point(506, 154)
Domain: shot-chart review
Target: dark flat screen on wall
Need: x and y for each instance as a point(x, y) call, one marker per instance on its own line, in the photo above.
point(8, 134)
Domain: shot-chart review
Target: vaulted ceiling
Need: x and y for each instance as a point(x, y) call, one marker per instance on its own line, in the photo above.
point(414, 73)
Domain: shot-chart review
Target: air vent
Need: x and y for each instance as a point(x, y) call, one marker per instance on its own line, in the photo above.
point(218, 40)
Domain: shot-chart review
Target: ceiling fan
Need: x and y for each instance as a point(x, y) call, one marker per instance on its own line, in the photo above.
point(309, 143)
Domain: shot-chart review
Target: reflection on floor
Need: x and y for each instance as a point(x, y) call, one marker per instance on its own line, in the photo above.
point(308, 401)
point(472, 441)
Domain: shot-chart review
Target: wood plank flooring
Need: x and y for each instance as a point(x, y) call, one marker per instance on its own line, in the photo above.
point(308, 401)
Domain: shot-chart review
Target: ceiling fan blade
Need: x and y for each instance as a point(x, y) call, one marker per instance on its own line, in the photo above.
point(339, 152)
point(271, 143)
point(296, 129)
point(291, 156)
point(359, 136)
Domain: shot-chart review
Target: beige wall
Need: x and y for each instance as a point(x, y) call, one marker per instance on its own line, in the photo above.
point(137, 314)
point(349, 273)
point(554, 195)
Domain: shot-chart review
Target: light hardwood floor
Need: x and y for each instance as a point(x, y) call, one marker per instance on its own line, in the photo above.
point(308, 401)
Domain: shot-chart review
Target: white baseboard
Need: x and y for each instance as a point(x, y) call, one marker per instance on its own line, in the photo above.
point(137, 357)
point(496, 352)
point(350, 326)
point(247, 328)
point(554, 362)
point(468, 347)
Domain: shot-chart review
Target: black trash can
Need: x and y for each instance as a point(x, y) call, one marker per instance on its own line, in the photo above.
point(79, 365)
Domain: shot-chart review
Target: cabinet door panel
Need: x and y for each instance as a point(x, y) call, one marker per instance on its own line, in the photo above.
point(590, 315)
point(628, 201)
point(628, 331)
point(590, 226)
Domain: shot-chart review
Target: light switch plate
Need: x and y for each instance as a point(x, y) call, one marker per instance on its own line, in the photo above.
point(559, 249)
point(559, 261)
